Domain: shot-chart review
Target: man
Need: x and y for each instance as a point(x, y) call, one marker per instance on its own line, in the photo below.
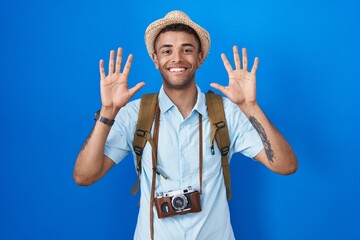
point(178, 47)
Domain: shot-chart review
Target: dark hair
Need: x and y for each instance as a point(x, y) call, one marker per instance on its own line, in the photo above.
point(179, 27)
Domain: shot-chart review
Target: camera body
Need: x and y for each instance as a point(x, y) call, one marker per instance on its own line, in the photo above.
point(177, 202)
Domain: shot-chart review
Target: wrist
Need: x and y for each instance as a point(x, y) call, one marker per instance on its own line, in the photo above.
point(109, 113)
point(249, 108)
point(107, 120)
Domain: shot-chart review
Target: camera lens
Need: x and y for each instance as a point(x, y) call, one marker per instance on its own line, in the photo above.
point(179, 202)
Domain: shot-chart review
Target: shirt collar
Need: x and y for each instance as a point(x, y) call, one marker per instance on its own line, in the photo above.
point(165, 103)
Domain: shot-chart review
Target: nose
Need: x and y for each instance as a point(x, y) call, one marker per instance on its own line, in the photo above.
point(177, 56)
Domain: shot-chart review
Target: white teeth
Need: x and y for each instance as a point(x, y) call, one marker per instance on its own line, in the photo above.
point(177, 69)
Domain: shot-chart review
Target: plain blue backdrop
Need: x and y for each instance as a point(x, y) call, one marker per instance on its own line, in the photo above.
point(308, 85)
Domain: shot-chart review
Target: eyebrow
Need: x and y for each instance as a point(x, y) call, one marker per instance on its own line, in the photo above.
point(183, 45)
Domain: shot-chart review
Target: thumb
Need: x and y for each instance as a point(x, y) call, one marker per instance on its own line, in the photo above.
point(219, 87)
point(136, 88)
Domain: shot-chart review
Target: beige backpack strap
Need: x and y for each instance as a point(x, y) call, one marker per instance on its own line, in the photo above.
point(143, 130)
point(219, 131)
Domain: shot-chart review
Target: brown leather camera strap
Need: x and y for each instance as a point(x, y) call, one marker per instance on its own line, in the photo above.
point(154, 163)
point(200, 151)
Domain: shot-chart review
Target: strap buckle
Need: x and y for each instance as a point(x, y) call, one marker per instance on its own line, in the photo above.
point(138, 150)
point(140, 133)
point(219, 125)
point(224, 151)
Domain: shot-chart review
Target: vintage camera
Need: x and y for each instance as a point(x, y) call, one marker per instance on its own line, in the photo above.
point(177, 202)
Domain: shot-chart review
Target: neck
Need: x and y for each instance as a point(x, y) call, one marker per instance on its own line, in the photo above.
point(184, 99)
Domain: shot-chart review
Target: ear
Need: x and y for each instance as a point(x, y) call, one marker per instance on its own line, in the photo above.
point(200, 58)
point(155, 60)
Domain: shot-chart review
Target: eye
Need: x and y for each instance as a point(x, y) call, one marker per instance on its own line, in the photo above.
point(188, 50)
point(166, 52)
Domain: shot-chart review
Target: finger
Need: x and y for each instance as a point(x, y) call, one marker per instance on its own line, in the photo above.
point(127, 67)
point(245, 59)
point(255, 66)
point(111, 62)
point(236, 57)
point(101, 69)
point(118, 60)
point(218, 87)
point(136, 88)
point(227, 65)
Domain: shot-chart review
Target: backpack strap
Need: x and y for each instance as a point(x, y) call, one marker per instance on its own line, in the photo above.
point(219, 131)
point(142, 134)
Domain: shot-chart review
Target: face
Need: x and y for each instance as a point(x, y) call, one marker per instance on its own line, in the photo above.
point(177, 58)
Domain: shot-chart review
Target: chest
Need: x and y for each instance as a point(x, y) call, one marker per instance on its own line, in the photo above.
point(179, 150)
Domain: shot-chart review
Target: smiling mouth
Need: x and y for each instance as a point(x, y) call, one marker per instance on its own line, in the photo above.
point(177, 70)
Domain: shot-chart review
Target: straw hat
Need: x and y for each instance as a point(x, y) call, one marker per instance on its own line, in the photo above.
point(175, 17)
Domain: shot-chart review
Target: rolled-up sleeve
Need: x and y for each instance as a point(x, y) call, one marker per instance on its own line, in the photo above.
point(243, 136)
point(119, 141)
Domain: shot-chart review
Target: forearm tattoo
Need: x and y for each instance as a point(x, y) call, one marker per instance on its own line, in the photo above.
point(267, 145)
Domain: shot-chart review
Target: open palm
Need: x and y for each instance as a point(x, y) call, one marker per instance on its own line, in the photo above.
point(242, 83)
point(115, 92)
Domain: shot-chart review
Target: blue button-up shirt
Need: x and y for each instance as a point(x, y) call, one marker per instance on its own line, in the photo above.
point(178, 159)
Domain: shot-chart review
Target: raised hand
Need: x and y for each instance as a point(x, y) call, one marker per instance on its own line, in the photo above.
point(242, 83)
point(115, 92)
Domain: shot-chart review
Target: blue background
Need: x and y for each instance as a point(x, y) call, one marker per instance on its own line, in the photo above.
point(308, 85)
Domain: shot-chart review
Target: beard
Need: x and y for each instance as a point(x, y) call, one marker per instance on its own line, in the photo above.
point(178, 84)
